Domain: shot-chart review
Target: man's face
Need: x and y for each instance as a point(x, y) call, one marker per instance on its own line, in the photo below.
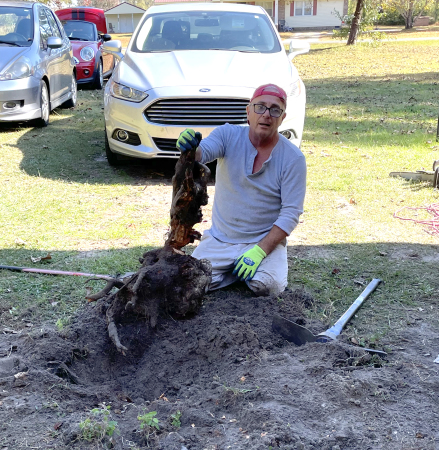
point(263, 125)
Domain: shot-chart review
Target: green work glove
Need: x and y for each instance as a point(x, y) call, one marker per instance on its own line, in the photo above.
point(247, 264)
point(188, 140)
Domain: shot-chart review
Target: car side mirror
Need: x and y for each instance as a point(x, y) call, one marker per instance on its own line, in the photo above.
point(296, 47)
point(106, 37)
point(113, 48)
point(54, 42)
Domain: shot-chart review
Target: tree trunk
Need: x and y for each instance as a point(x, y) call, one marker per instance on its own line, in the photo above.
point(355, 26)
point(409, 19)
point(169, 281)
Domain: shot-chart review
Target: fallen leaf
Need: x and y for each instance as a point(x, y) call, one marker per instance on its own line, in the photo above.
point(354, 341)
point(263, 434)
point(162, 397)
point(36, 259)
point(420, 436)
point(334, 271)
point(352, 201)
point(19, 375)
point(242, 379)
point(9, 330)
point(58, 425)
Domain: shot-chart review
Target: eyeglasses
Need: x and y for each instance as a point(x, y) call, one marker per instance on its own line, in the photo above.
point(274, 110)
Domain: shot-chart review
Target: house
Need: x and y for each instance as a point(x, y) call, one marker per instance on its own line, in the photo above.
point(123, 18)
point(316, 14)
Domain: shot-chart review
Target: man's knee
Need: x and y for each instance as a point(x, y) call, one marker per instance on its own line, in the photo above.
point(266, 286)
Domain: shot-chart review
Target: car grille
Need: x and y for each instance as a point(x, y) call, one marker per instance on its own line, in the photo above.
point(166, 145)
point(197, 111)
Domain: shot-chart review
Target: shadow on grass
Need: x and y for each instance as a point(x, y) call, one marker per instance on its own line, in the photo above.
point(333, 274)
point(357, 111)
point(72, 149)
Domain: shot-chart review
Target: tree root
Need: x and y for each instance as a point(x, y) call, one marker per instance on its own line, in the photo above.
point(168, 281)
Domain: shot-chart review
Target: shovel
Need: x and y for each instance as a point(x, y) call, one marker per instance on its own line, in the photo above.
point(300, 335)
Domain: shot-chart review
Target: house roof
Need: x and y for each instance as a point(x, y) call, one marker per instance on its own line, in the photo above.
point(125, 7)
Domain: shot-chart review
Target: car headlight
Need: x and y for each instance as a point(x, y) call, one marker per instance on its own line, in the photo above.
point(294, 89)
point(87, 53)
point(126, 93)
point(22, 68)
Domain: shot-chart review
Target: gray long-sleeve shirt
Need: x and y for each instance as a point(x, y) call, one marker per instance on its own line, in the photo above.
point(246, 205)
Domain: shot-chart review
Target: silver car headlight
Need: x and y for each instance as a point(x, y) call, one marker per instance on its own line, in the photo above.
point(87, 53)
point(294, 89)
point(124, 92)
point(22, 68)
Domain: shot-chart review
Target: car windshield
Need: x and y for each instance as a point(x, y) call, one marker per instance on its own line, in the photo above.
point(16, 26)
point(79, 31)
point(200, 30)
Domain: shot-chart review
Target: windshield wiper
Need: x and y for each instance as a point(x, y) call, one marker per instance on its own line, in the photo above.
point(11, 43)
point(232, 50)
point(74, 38)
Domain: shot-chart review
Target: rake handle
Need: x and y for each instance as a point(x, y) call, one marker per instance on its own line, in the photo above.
point(57, 272)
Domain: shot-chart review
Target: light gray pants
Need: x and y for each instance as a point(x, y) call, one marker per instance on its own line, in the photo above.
point(269, 279)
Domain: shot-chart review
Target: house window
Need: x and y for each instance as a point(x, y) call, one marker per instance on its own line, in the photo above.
point(303, 8)
point(268, 6)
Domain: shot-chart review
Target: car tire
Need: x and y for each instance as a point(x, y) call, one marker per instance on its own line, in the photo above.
point(71, 102)
point(112, 157)
point(43, 121)
point(99, 80)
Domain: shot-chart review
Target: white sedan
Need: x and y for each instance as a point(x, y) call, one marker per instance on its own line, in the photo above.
point(195, 66)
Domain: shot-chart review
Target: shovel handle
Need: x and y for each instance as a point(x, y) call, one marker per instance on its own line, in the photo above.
point(344, 319)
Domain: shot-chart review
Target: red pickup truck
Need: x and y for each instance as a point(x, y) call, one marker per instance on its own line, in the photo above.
point(87, 30)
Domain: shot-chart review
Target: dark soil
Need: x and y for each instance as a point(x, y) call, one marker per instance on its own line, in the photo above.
point(236, 383)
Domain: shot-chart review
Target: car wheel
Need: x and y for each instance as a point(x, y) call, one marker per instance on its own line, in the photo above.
point(44, 106)
point(112, 157)
point(71, 103)
point(99, 81)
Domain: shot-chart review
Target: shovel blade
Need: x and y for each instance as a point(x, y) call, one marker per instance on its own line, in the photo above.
point(291, 331)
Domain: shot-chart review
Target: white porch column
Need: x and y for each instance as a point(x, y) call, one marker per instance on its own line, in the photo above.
point(276, 13)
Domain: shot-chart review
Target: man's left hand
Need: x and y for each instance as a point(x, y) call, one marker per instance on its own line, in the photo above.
point(247, 264)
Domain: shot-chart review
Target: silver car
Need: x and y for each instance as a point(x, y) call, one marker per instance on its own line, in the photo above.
point(37, 69)
point(197, 66)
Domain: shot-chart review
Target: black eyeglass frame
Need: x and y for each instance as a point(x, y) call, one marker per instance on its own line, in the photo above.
point(269, 110)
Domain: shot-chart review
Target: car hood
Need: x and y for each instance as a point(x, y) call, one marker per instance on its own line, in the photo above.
point(8, 54)
point(146, 71)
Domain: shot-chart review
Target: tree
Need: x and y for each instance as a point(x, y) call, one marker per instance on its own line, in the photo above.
point(144, 4)
point(355, 26)
point(409, 9)
point(361, 22)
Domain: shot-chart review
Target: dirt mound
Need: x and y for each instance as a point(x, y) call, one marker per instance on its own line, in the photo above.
point(220, 380)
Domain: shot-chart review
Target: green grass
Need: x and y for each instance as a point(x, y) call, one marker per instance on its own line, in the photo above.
point(370, 111)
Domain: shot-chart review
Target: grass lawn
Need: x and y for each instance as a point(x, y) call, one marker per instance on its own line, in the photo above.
point(124, 38)
point(371, 110)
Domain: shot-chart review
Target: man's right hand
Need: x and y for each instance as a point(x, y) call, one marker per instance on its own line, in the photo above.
point(188, 140)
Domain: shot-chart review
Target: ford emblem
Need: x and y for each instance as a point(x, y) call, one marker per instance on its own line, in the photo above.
point(204, 90)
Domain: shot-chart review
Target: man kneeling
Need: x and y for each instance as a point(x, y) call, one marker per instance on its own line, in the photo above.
point(259, 195)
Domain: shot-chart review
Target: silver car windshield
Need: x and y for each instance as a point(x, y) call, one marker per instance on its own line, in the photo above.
point(16, 26)
point(200, 30)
